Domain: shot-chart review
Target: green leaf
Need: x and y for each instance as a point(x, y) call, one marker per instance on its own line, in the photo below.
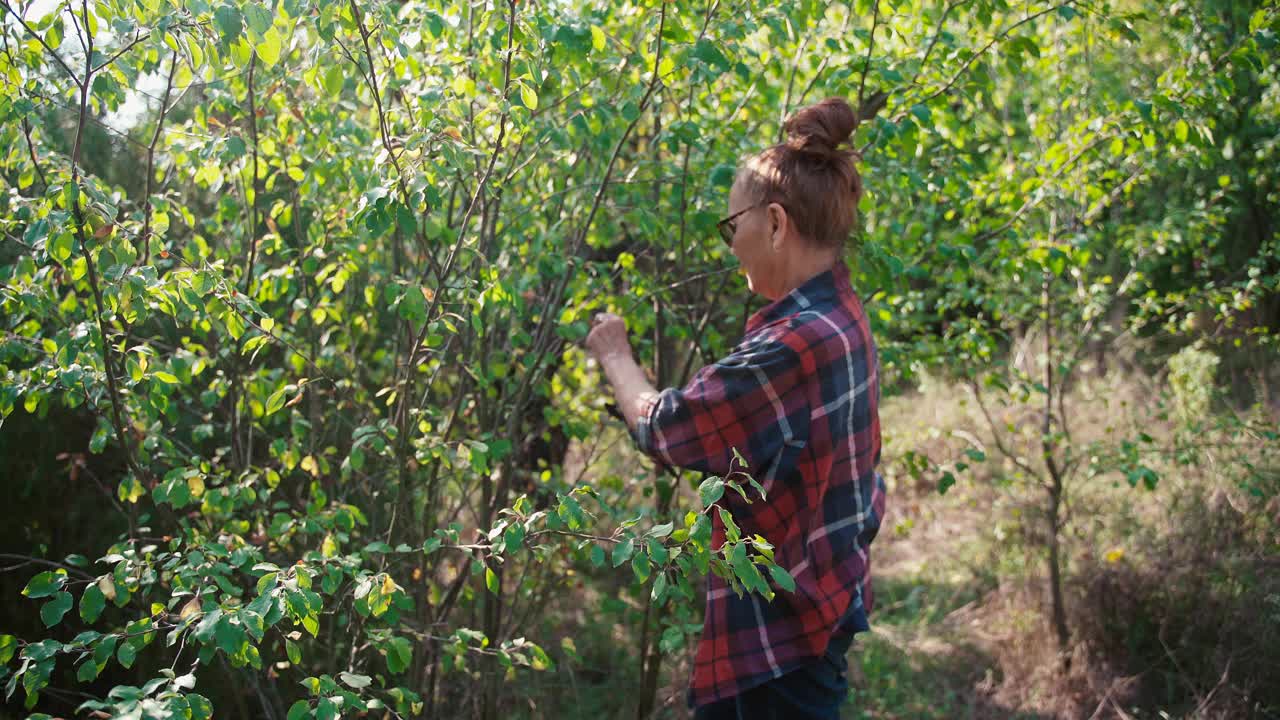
point(399, 654)
point(60, 247)
point(945, 482)
point(661, 531)
point(87, 671)
point(166, 377)
point(91, 603)
point(229, 635)
point(227, 17)
point(514, 536)
point(623, 551)
point(205, 629)
point(658, 551)
point(356, 682)
point(640, 565)
point(51, 613)
point(105, 647)
point(45, 584)
point(257, 17)
point(8, 645)
point(711, 490)
point(672, 639)
point(491, 580)
point(293, 651)
point(659, 587)
point(782, 578)
point(731, 531)
point(127, 654)
point(334, 80)
point(706, 51)
point(299, 710)
point(201, 708)
point(275, 401)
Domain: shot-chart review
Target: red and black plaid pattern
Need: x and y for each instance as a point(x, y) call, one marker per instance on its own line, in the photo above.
point(798, 399)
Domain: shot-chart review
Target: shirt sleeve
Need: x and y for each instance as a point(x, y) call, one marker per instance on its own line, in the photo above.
point(752, 401)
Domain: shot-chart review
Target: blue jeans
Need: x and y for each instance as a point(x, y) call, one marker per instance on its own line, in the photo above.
point(813, 692)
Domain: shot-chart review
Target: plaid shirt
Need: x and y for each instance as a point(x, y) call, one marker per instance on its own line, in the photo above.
point(798, 399)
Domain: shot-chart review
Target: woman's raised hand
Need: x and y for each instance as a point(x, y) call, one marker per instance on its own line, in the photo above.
point(608, 337)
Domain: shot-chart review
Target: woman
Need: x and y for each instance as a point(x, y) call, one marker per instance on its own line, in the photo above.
point(797, 398)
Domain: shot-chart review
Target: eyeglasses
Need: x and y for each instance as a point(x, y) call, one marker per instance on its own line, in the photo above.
point(728, 228)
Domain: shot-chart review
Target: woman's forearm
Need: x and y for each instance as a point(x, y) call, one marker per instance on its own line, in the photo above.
point(631, 388)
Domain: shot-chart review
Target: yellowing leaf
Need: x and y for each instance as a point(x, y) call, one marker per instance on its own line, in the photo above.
point(190, 610)
point(528, 97)
point(597, 38)
point(269, 48)
point(108, 587)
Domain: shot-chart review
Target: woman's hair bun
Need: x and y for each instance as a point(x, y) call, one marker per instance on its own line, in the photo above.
point(822, 128)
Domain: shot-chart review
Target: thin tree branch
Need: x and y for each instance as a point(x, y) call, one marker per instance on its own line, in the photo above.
point(151, 157)
point(136, 39)
point(107, 360)
point(253, 181)
point(1003, 34)
point(871, 44)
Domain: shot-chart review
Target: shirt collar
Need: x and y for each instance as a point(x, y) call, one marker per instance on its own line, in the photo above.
point(822, 288)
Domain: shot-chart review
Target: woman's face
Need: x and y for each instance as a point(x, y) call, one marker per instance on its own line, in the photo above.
point(754, 243)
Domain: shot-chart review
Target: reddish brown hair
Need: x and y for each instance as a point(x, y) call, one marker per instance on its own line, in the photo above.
point(810, 174)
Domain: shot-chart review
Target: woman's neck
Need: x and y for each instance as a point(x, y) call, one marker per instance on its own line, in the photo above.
point(805, 266)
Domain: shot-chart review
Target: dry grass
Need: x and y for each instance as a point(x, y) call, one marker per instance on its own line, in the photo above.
point(1173, 593)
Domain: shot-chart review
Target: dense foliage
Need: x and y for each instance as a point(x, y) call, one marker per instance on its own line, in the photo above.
point(295, 413)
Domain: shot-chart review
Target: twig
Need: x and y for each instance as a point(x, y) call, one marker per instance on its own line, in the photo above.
point(151, 156)
point(1005, 33)
point(937, 33)
point(253, 182)
point(136, 39)
point(871, 43)
point(24, 560)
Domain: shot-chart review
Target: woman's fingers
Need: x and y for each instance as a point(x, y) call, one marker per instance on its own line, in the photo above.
point(608, 335)
point(602, 317)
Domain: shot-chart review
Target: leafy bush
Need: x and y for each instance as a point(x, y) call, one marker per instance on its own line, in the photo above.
point(292, 293)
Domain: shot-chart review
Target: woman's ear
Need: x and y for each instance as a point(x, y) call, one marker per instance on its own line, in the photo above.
point(778, 225)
